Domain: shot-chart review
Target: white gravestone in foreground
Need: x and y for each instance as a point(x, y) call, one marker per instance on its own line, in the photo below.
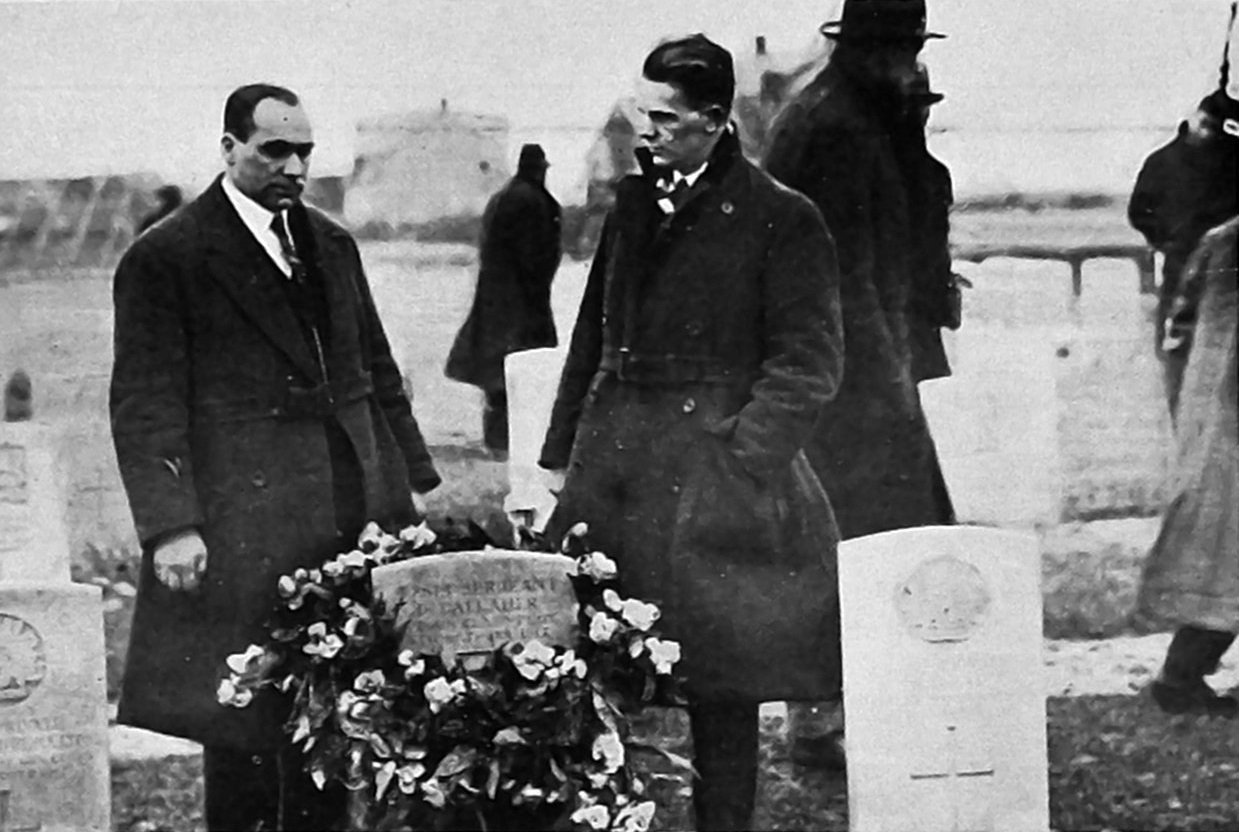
point(532, 380)
point(54, 774)
point(943, 696)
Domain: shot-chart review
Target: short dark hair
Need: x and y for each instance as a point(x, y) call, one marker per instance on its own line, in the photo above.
point(240, 106)
point(698, 66)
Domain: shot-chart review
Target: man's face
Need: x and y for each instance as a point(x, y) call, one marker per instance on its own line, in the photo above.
point(677, 136)
point(270, 167)
point(1202, 128)
point(892, 63)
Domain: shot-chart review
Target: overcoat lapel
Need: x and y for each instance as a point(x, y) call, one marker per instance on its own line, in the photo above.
point(240, 265)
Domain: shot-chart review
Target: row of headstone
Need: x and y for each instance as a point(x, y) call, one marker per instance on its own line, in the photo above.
point(54, 774)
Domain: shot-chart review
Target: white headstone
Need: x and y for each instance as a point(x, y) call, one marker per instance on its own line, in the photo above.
point(34, 528)
point(943, 697)
point(54, 774)
point(532, 380)
point(998, 411)
point(470, 603)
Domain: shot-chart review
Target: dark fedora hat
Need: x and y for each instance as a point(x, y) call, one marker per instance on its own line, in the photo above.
point(880, 20)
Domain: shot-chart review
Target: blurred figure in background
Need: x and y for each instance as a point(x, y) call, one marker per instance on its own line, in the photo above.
point(1184, 189)
point(169, 199)
point(1192, 575)
point(835, 142)
point(519, 252)
point(934, 301)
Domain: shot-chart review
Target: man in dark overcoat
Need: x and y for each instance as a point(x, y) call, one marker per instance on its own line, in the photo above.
point(1183, 189)
point(519, 252)
point(707, 341)
point(872, 448)
point(259, 421)
point(834, 142)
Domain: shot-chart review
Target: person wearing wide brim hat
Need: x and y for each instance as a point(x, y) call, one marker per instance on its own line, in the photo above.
point(518, 254)
point(868, 20)
point(835, 142)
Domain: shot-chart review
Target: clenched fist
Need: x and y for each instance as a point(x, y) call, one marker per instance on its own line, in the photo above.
point(181, 560)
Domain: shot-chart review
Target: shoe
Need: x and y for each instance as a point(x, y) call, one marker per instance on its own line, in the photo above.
point(826, 752)
point(1193, 698)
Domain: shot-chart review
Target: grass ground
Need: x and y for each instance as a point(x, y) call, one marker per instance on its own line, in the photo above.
point(1116, 763)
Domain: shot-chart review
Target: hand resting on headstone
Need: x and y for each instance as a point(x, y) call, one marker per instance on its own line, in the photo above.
point(181, 560)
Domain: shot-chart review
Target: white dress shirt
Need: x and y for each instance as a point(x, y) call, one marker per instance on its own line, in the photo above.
point(258, 220)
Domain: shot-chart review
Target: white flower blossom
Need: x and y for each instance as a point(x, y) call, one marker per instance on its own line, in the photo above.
point(419, 536)
point(287, 586)
point(663, 653)
point(355, 559)
point(639, 614)
point(439, 692)
point(597, 567)
point(408, 775)
point(602, 628)
point(240, 663)
point(608, 749)
point(232, 696)
point(635, 818)
point(371, 681)
point(323, 644)
point(595, 817)
point(612, 601)
point(333, 568)
point(433, 794)
point(413, 666)
point(533, 660)
point(570, 665)
point(370, 536)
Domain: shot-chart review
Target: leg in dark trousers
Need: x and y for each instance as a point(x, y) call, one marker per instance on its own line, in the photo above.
point(725, 755)
point(246, 791)
point(1194, 653)
point(495, 420)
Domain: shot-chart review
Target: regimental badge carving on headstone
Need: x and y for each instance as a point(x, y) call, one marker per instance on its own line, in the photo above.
point(23, 660)
point(945, 599)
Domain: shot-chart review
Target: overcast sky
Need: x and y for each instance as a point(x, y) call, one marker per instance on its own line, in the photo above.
point(100, 86)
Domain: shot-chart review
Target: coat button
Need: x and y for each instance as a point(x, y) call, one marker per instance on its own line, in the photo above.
point(259, 479)
point(728, 208)
point(690, 404)
point(695, 328)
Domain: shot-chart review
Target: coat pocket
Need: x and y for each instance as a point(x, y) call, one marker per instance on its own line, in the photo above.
point(726, 512)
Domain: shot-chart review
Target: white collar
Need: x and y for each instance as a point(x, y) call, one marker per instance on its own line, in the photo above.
point(690, 178)
point(256, 218)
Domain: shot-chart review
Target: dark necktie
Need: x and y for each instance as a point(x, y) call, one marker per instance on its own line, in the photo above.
point(672, 193)
point(286, 248)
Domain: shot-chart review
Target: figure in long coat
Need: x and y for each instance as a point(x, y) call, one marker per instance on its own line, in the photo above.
point(259, 421)
point(519, 253)
point(934, 299)
point(707, 341)
point(1191, 578)
point(872, 448)
point(1185, 188)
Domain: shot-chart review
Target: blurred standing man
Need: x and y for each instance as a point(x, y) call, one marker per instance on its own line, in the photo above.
point(707, 342)
point(259, 421)
point(1185, 188)
point(519, 254)
point(934, 301)
point(834, 142)
point(1192, 574)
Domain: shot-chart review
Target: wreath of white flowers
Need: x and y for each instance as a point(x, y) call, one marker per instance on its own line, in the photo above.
point(538, 730)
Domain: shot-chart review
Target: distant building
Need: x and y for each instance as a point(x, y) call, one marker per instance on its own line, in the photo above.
point(412, 168)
